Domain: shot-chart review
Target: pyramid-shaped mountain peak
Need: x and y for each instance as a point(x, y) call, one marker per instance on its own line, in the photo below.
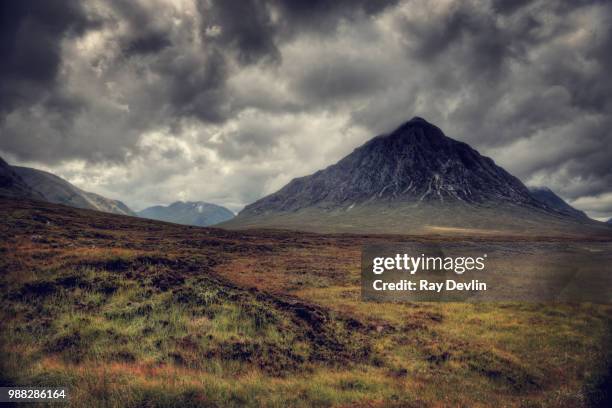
point(416, 163)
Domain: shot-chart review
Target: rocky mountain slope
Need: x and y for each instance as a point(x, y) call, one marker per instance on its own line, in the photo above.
point(196, 213)
point(548, 197)
point(54, 189)
point(413, 179)
point(12, 185)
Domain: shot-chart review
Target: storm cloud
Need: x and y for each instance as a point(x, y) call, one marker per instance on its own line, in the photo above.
point(225, 101)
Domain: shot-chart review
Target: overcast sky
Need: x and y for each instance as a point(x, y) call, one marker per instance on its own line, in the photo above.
point(226, 100)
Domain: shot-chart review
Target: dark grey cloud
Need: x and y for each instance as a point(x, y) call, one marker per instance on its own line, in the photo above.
point(216, 89)
point(254, 139)
point(30, 49)
point(245, 27)
point(148, 43)
point(158, 65)
point(147, 33)
point(195, 86)
point(508, 7)
point(254, 29)
point(322, 16)
point(340, 79)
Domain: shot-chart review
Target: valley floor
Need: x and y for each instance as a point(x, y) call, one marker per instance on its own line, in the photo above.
point(131, 312)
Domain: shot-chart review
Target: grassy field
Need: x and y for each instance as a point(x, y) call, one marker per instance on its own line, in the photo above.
point(129, 313)
point(492, 220)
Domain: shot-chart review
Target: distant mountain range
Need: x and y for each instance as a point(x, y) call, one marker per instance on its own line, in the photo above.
point(415, 179)
point(196, 213)
point(25, 182)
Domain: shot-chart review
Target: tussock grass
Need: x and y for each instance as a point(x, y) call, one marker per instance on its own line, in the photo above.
point(134, 313)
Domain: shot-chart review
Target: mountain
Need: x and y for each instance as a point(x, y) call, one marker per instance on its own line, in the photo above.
point(196, 213)
point(12, 185)
point(546, 196)
point(415, 179)
point(56, 190)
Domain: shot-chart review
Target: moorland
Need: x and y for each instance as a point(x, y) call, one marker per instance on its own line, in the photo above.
point(132, 312)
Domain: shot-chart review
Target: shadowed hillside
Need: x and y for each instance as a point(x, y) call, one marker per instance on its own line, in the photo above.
point(57, 190)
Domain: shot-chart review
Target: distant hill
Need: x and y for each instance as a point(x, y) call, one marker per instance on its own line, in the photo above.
point(196, 213)
point(12, 185)
point(413, 180)
point(546, 196)
point(49, 187)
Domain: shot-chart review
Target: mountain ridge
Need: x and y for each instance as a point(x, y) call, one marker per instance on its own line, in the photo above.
point(12, 185)
point(413, 178)
point(548, 197)
point(198, 213)
point(404, 165)
point(30, 183)
point(59, 191)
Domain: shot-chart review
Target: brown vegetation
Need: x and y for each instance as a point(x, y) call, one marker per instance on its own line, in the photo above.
point(131, 312)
